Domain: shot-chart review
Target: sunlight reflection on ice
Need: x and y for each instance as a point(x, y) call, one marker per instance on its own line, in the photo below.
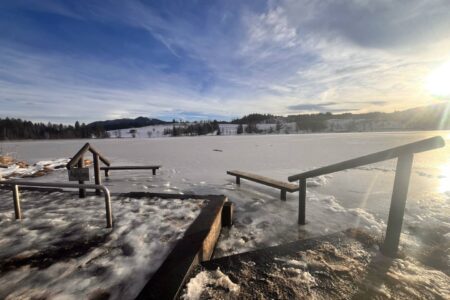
point(444, 181)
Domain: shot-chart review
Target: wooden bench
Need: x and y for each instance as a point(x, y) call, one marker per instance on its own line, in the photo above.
point(283, 186)
point(106, 169)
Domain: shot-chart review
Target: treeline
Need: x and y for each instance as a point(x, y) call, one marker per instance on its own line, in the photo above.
point(17, 129)
point(255, 119)
point(126, 123)
point(196, 128)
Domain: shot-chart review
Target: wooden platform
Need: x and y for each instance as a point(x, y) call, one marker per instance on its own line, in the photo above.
point(304, 269)
point(153, 168)
point(196, 246)
point(281, 185)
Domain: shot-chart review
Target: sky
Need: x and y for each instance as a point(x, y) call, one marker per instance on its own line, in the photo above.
point(62, 61)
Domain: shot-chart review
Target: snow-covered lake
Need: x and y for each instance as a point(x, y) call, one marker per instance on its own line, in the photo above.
point(353, 198)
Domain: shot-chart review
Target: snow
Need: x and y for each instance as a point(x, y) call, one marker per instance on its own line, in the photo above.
point(157, 131)
point(17, 171)
point(62, 248)
point(354, 198)
point(205, 281)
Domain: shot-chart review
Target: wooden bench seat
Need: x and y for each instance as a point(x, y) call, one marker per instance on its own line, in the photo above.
point(153, 168)
point(283, 186)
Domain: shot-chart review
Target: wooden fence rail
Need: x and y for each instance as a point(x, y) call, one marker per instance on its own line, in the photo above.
point(404, 155)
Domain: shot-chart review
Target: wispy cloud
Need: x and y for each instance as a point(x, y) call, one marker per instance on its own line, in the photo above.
point(107, 59)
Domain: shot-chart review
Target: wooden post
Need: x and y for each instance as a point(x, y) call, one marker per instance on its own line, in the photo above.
point(227, 214)
point(283, 195)
point(16, 197)
point(97, 175)
point(106, 173)
point(398, 202)
point(238, 180)
point(301, 201)
point(82, 191)
point(154, 171)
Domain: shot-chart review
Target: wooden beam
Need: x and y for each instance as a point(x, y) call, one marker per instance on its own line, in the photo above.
point(227, 214)
point(82, 191)
point(131, 167)
point(197, 245)
point(97, 174)
point(302, 202)
point(79, 155)
point(420, 146)
point(289, 187)
point(102, 158)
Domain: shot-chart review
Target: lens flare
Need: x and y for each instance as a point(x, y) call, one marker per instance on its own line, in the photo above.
point(438, 82)
point(444, 181)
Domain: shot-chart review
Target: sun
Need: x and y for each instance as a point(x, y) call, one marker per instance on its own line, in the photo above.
point(438, 82)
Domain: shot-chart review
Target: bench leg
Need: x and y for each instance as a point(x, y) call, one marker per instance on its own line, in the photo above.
point(106, 173)
point(238, 180)
point(154, 171)
point(283, 195)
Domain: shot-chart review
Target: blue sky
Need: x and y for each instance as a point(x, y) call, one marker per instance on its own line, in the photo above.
point(63, 61)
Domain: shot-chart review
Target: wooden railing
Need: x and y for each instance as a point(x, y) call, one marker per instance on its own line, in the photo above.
point(15, 184)
point(404, 155)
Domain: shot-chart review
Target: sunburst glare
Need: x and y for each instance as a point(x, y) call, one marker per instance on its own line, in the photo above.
point(438, 82)
point(444, 182)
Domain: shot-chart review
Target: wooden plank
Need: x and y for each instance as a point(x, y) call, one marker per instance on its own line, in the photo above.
point(289, 187)
point(101, 157)
point(420, 146)
point(79, 155)
point(196, 246)
point(130, 167)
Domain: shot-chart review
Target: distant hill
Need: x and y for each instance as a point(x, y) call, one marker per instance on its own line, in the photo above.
point(431, 117)
point(126, 123)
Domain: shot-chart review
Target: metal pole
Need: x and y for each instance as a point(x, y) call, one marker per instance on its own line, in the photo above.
point(398, 202)
point(16, 197)
point(108, 208)
point(97, 174)
point(302, 201)
point(82, 191)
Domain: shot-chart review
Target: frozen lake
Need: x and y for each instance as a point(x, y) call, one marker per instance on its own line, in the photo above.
point(355, 198)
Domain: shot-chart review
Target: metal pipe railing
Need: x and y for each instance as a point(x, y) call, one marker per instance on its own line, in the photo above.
point(15, 184)
point(404, 155)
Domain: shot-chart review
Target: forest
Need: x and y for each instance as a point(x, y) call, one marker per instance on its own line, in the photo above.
point(17, 129)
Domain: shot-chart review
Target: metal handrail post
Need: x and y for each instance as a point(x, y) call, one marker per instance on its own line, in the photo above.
point(16, 198)
point(398, 203)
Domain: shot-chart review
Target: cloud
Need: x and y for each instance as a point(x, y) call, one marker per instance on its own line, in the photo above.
point(323, 107)
point(108, 59)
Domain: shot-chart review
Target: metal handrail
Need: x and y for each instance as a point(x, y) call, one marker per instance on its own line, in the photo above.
point(404, 155)
point(15, 184)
